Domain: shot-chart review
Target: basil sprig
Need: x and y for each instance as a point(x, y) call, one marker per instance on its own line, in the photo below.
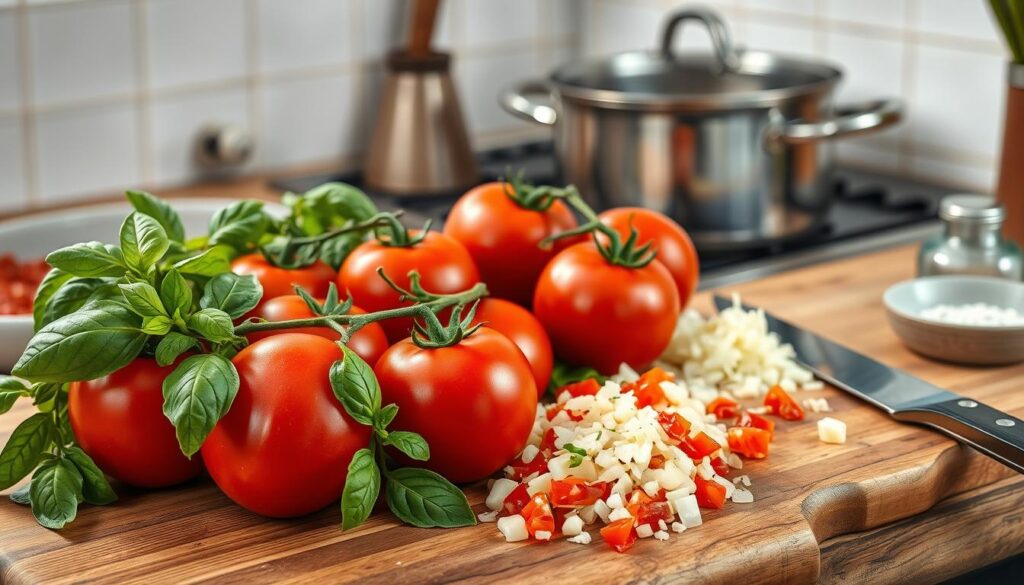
point(416, 496)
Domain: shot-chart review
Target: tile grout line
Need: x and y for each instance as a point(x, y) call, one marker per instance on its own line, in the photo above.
point(143, 104)
point(253, 82)
point(30, 164)
point(906, 148)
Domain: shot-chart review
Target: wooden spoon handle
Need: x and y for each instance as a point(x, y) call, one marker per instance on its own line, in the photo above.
point(421, 29)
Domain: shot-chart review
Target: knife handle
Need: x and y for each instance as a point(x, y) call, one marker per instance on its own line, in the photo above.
point(991, 431)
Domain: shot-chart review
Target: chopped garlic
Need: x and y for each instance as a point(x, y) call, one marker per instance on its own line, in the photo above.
point(529, 453)
point(619, 514)
point(688, 510)
point(499, 491)
point(572, 526)
point(485, 517)
point(581, 538)
point(614, 502)
point(542, 535)
point(831, 430)
point(678, 527)
point(513, 528)
point(744, 479)
point(602, 510)
point(644, 531)
point(742, 496)
point(541, 483)
point(661, 535)
point(816, 405)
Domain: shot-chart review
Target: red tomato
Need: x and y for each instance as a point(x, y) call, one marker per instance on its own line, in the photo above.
point(279, 282)
point(674, 247)
point(522, 470)
point(503, 237)
point(368, 343)
point(721, 466)
point(676, 427)
point(119, 421)
point(538, 514)
point(749, 442)
point(699, 446)
point(782, 404)
point(650, 513)
point(443, 263)
point(284, 447)
point(619, 534)
point(723, 408)
point(588, 387)
point(525, 331)
point(710, 494)
point(573, 492)
point(600, 315)
point(750, 419)
point(474, 402)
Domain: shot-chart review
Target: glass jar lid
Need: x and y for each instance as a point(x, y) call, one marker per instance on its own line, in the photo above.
point(973, 208)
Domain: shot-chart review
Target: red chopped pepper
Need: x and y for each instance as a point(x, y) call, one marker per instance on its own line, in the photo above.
point(710, 494)
point(515, 501)
point(676, 427)
point(721, 466)
point(575, 492)
point(699, 446)
point(750, 419)
point(538, 514)
point(588, 387)
point(521, 470)
point(552, 411)
point(651, 513)
point(657, 462)
point(749, 442)
point(547, 442)
point(619, 534)
point(723, 408)
point(647, 388)
point(782, 404)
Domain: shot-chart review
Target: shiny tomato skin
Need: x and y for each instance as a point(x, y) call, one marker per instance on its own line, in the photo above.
point(279, 282)
point(674, 246)
point(600, 315)
point(503, 237)
point(369, 342)
point(119, 421)
point(473, 402)
point(519, 325)
point(443, 263)
point(284, 447)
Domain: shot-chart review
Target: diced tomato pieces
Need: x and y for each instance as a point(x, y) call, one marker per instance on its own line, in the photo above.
point(552, 411)
point(573, 492)
point(657, 462)
point(749, 442)
point(538, 514)
point(750, 419)
point(547, 442)
point(522, 470)
point(721, 466)
point(676, 427)
point(651, 513)
point(515, 501)
point(647, 388)
point(723, 408)
point(699, 446)
point(710, 494)
point(782, 404)
point(619, 534)
point(588, 387)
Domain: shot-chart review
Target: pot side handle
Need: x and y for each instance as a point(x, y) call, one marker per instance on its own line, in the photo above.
point(516, 99)
point(849, 120)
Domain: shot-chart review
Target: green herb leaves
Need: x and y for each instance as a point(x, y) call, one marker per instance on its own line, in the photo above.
point(91, 259)
point(196, 395)
point(426, 500)
point(55, 493)
point(235, 295)
point(143, 242)
point(356, 387)
point(362, 487)
point(577, 454)
point(240, 225)
point(160, 211)
point(25, 449)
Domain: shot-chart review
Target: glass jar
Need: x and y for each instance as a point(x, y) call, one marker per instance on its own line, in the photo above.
point(971, 242)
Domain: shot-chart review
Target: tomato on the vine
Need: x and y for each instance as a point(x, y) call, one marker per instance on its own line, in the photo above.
point(502, 233)
point(601, 314)
point(443, 264)
point(519, 325)
point(474, 402)
point(368, 343)
point(119, 421)
point(284, 446)
point(674, 247)
point(279, 282)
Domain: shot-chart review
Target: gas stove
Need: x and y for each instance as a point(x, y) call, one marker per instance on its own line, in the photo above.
point(870, 211)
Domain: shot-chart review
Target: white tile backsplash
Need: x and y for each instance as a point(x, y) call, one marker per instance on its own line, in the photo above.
point(802, 7)
point(789, 39)
point(13, 192)
point(873, 67)
point(954, 172)
point(88, 151)
point(82, 50)
point(195, 41)
point(479, 80)
point(385, 23)
point(963, 18)
point(308, 120)
point(887, 13)
point(10, 76)
point(314, 33)
point(487, 23)
point(624, 26)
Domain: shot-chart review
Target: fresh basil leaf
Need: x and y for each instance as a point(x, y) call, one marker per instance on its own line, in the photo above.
point(96, 489)
point(424, 499)
point(55, 492)
point(143, 299)
point(25, 448)
point(577, 454)
point(234, 294)
point(21, 495)
point(362, 486)
point(356, 387)
point(341, 201)
point(563, 375)
point(91, 259)
point(72, 296)
point(384, 416)
point(90, 343)
point(336, 250)
point(175, 294)
point(11, 389)
point(213, 324)
point(159, 210)
point(239, 225)
point(52, 282)
point(171, 346)
point(412, 444)
point(196, 395)
point(43, 395)
point(143, 241)
point(211, 262)
point(158, 325)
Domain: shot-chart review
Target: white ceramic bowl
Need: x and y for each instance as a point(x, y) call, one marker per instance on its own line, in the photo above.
point(964, 344)
point(37, 235)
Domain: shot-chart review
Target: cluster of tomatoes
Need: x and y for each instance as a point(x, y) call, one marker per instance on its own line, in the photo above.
point(18, 283)
point(282, 448)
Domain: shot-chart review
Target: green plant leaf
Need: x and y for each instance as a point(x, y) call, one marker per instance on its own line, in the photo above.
point(239, 225)
point(55, 492)
point(362, 486)
point(338, 202)
point(356, 387)
point(143, 299)
point(412, 444)
point(73, 296)
point(171, 346)
point(11, 389)
point(159, 210)
point(213, 324)
point(25, 448)
point(21, 495)
point(99, 339)
point(96, 489)
point(563, 375)
point(336, 250)
point(43, 395)
point(196, 395)
point(51, 283)
point(143, 241)
point(159, 325)
point(211, 262)
point(384, 416)
point(175, 294)
point(91, 260)
point(424, 499)
point(235, 295)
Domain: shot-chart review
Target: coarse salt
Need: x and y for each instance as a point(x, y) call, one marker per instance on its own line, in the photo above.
point(974, 314)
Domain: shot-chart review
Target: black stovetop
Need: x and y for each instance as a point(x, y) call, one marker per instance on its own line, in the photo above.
point(866, 204)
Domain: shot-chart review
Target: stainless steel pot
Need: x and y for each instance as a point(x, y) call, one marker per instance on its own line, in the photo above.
point(729, 143)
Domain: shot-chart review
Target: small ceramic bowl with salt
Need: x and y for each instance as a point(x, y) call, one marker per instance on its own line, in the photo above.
point(976, 320)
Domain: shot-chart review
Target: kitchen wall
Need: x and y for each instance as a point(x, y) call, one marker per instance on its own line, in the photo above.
point(943, 57)
point(99, 95)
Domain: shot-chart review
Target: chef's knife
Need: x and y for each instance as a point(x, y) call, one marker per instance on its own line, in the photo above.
point(905, 397)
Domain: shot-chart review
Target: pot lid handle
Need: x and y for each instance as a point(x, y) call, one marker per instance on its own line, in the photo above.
point(721, 40)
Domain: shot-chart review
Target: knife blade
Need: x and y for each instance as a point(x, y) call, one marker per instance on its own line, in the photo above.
point(903, 396)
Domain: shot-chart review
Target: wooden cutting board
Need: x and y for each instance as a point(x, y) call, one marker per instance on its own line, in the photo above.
point(822, 511)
